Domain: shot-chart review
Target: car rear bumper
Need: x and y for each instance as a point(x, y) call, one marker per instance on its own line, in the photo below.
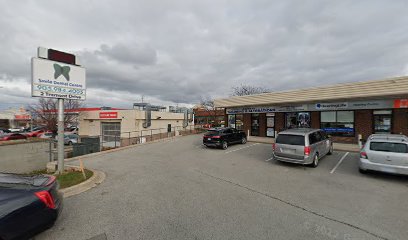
point(366, 164)
point(217, 144)
point(306, 160)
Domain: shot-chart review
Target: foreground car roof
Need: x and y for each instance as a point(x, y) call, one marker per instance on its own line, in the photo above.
point(389, 137)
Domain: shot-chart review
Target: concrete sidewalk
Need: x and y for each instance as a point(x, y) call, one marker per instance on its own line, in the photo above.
point(337, 146)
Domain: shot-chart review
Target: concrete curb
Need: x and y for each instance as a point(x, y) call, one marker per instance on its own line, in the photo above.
point(97, 178)
point(119, 149)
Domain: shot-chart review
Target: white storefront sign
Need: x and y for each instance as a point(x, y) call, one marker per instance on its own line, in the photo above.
point(51, 79)
point(289, 108)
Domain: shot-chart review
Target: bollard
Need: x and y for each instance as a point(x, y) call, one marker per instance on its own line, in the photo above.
point(360, 144)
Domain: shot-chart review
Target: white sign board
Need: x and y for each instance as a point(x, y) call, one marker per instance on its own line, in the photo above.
point(52, 79)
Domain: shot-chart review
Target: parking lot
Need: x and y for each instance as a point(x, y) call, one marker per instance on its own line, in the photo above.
point(178, 189)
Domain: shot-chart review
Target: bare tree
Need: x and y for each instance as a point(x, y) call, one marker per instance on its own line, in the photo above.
point(208, 105)
point(46, 111)
point(243, 90)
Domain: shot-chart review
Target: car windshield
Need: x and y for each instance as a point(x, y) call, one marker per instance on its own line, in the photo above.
point(388, 147)
point(291, 139)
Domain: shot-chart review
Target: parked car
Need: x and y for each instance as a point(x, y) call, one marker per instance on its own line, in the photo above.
point(385, 153)
point(223, 137)
point(12, 136)
point(4, 131)
point(28, 205)
point(69, 139)
point(15, 130)
point(302, 145)
point(47, 135)
point(34, 133)
point(71, 130)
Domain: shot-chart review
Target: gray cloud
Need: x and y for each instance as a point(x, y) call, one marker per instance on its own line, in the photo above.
point(182, 50)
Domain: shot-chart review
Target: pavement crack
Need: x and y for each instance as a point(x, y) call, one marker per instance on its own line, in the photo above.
point(291, 204)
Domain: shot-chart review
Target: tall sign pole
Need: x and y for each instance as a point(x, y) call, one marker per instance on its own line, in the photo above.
point(58, 75)
point(60, 135)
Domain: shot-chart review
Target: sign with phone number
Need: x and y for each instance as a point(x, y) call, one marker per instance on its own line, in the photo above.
point(51, 79)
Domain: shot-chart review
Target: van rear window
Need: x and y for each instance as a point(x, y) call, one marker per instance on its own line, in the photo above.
point(389, 147)
point(290, 139)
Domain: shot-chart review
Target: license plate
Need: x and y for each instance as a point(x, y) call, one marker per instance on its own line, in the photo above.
point(289, 150)
point(209, 139)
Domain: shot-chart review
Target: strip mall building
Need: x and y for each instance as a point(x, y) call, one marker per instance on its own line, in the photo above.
point(345, 111)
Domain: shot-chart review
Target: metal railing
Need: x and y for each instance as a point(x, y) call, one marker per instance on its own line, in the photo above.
point(91, 144)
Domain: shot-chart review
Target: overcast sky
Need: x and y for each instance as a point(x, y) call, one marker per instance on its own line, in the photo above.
point(180, 51)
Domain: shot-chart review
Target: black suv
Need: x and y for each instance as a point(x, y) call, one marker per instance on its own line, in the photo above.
point(222, 137)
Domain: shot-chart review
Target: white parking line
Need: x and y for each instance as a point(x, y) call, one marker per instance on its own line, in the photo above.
point(242, 148)
point(338, 164)
point(269, 159)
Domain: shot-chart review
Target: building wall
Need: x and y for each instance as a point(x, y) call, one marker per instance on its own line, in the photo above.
point(363, 123)
point(247, 123)
point(279, 122)
point(262, 124)
point(315, 119)
point(400, 121)
point(131, 121)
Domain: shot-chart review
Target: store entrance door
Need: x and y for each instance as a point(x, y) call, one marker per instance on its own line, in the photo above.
point(255, 124)
point(270, 125)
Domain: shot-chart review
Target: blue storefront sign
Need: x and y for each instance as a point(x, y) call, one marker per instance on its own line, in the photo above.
point(338, 130)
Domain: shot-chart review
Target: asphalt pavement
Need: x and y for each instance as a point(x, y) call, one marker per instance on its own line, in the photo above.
point(179, 189)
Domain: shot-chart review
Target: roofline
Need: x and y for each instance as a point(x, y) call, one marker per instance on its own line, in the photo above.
point(395, 87)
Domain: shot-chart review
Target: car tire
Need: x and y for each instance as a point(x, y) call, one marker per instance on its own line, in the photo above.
point(224, 145)
point(243, 140)
point(315, 162)
point(362, 171)
point(331, 150)
point(69, 143)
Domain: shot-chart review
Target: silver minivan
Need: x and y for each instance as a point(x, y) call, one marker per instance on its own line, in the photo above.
point(385, 153)
point(302, 145)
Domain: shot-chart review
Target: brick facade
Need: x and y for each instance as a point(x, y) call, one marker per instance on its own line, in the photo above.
point(315, 119)
point(363, 123)
point(262, 124)
point(279, 122)
point(400, 121)
point(247, 123)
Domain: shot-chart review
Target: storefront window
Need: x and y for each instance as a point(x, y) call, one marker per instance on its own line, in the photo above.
point(239, 121)
point(236, 121)
point(382, 121)
point(231, 121)
point(338, 123)
point(298, 120)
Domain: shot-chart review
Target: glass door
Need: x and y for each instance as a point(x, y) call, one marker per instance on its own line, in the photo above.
point(270, 125)
point(382, 121)
point(255, 124)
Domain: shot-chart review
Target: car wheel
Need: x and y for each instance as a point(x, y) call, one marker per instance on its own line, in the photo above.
point(224, 145)
point(362, 171)
point(331, 150)
point(70, 143)
point(315, 161)
point(243, 140)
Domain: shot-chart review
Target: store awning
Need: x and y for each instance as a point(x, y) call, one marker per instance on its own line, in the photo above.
point(378, 89)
